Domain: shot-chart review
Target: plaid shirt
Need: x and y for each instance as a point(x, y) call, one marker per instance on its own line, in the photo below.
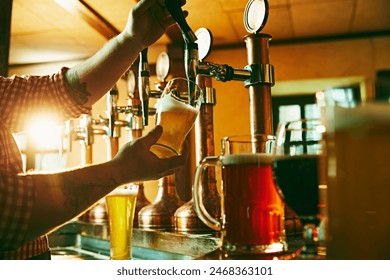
point(21, 97)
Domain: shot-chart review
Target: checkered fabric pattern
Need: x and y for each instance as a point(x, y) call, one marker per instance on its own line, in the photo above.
point(21, 97)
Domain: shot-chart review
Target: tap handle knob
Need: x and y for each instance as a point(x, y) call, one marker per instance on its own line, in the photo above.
point(144, 84)
point(177, 14)
point(112, 104)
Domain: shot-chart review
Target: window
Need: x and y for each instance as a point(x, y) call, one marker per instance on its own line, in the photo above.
point(294, 107)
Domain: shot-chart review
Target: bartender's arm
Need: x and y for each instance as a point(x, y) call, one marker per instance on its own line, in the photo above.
point(91, 79)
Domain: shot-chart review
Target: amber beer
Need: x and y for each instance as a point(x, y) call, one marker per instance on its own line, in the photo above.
point(121, 207)
point(253, 207)
point(358, 182)
point(177, 119)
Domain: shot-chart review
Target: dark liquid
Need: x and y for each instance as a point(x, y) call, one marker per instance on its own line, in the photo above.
point(297, 178)
point(254, 209)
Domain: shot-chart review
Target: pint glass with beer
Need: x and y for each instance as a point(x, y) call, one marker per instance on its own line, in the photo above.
point(176, 112)
point(121, 207)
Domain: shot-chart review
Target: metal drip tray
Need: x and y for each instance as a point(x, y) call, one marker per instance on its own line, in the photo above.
point(88, 241)
point(73, 253)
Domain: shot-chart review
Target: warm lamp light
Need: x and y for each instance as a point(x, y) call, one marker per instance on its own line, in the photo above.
point(45, 133)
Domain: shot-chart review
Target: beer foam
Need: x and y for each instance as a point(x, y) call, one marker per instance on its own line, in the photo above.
point(133, 190)
point(365, 114)
point(258, 158)
point(169, 103)
point(303, 156)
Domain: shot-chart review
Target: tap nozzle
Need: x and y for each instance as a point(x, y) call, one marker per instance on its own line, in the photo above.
point(191, 60)
point(112, 104)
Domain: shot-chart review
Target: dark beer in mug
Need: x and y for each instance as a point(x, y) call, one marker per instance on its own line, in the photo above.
point(254, 209)
point(297, 177)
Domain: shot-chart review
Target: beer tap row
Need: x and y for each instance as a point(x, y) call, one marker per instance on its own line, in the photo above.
point(168, 211)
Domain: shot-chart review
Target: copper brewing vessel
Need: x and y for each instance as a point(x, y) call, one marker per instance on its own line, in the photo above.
point(160, 213)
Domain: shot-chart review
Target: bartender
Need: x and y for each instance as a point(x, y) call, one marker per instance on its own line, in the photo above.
point(32, 205)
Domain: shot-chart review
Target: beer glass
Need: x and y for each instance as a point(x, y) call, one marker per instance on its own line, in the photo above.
point(358, 178)
point(176, 111)
point(300, 173)
point(252, 210)
point(120, 208)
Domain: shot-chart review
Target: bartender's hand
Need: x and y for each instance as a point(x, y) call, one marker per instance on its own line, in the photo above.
point(148, 21)
point(135, 162)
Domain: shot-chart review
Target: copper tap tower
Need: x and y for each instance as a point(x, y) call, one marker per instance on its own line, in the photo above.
point(258, 77)
point(135, 121)
point(260, 102)
point(160, 213)
point(186, 219)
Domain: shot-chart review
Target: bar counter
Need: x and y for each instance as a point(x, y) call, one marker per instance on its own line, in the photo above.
point(90, 241)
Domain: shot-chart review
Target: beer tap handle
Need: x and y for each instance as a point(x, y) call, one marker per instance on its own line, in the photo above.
point(131, 85)
point(111, 110)
point(191, 57)
point(144, 84)
point(177, 14)
point(69, 134)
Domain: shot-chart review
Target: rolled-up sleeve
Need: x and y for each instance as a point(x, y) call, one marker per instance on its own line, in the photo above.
point(23, 97)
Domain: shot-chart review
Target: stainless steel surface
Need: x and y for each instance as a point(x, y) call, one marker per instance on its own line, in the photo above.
point(90, 241)
point(78, 240)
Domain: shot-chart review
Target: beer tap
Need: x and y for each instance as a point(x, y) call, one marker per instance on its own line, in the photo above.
point(176, 12)
point(186, 219)
point(135, 120)
point(191, 54)
point(113, 131)
point(84, 134)
point(160, 213)
point(110, 128)
point(258, 75)
point(144, 84)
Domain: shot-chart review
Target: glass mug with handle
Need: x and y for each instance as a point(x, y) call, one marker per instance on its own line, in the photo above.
point(252, 208)
point(300, 174)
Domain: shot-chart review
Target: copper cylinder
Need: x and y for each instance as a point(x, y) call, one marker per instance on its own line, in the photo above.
point(112, 147)
point(86, 154)
point(142, 201)
point(86, 159)
point(134, 133)
point(260, 101)
point(160, 214)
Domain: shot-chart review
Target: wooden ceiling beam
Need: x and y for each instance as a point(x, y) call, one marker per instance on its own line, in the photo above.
point(5, 33)
point(83, 10)
point(86, 12)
